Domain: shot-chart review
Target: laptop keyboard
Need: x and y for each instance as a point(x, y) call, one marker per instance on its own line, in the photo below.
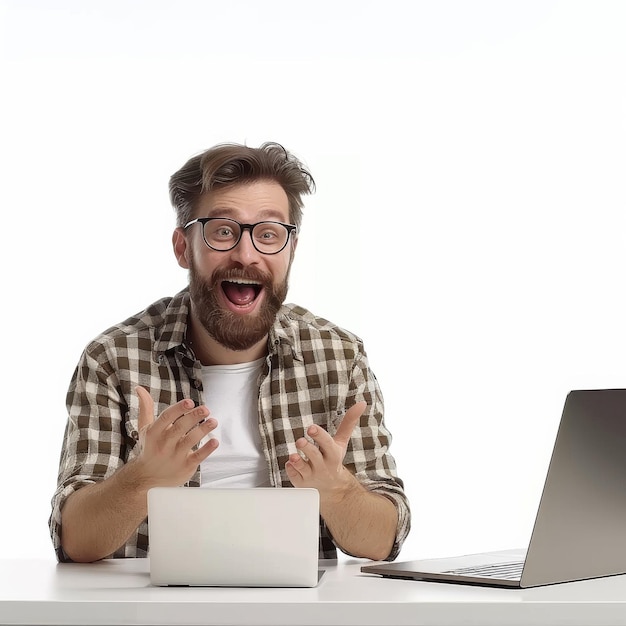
point(505, 571)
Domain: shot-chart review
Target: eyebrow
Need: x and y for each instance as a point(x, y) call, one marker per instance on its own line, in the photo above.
point(263, 214)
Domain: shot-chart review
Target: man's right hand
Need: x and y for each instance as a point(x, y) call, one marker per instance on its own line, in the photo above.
point(166, 444)
point(99, 518)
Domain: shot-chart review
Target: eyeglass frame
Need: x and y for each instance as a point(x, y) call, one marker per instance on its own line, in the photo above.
point(291, 228)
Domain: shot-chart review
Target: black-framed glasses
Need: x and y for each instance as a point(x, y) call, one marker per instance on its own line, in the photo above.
point(223, 234)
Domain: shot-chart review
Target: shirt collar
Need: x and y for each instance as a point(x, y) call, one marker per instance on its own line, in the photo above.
point(282, 334)
point(174, 327)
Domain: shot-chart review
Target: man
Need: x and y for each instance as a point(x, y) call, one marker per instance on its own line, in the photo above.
point(223, 385)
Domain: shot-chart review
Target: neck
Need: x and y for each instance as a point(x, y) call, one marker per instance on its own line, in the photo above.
point(209, 352)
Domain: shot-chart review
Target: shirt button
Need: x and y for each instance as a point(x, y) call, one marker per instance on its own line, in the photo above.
point(197, 384)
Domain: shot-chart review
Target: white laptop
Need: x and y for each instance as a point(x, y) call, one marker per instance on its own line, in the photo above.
point(263, 537)
point(580, 527)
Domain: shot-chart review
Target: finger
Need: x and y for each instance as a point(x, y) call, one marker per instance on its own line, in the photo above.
point(349, 422)
point(294, 476)
point(205, 450)
point(172, 414)
point(199, 431)
point(297, 469)
point(146, 408)
point(186, 422)
point(309, 453)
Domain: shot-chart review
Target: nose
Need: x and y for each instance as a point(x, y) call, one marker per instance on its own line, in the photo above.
point(244, 252)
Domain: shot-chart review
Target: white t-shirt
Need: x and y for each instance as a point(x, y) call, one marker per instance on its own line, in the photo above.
point(231, 394)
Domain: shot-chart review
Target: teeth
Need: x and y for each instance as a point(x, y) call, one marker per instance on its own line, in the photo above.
point(243, 281)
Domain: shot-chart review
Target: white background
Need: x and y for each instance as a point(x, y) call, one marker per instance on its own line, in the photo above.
point(468, 224)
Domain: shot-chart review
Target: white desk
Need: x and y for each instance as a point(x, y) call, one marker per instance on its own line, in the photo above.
point(119, 592)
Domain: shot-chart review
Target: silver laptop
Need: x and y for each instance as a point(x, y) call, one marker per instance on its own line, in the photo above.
point(264, 537)
point(580, 527)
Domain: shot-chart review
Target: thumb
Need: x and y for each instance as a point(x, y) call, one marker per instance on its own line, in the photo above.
point(146, 408)
point(348, 423)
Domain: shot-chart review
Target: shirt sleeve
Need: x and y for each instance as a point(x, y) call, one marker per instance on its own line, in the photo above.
point(95, 442)
point(368, 455)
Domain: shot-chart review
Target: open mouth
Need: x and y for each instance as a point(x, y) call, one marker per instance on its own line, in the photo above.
point(241, 291)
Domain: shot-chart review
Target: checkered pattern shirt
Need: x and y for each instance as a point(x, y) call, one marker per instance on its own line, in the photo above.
point(313, 373)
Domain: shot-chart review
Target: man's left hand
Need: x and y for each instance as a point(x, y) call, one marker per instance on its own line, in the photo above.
point(323, 467)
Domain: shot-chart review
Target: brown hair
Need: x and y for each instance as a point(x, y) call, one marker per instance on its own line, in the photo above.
point(230, 164)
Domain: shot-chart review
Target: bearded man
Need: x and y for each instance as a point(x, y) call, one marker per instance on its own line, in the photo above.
point(224, 385)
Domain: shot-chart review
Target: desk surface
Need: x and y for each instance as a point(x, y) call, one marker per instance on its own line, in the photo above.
point(119, 592)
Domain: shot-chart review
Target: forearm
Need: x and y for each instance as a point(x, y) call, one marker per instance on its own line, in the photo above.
point(99, 518)
point(363, 523)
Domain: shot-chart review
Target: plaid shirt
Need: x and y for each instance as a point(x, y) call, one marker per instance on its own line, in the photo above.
point(313, 373)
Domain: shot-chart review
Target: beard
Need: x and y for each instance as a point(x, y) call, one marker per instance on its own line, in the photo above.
point(235, 332)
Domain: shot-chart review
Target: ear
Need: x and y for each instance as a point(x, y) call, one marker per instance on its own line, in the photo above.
point(181, 249)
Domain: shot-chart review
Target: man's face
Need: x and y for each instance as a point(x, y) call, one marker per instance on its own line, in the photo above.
point(236, 294)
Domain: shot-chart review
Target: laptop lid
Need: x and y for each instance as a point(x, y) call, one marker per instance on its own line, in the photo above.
point(580, 524)
point(263, 537)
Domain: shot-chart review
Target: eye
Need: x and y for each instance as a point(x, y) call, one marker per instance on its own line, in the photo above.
point(269, 234)
point(220, 231)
